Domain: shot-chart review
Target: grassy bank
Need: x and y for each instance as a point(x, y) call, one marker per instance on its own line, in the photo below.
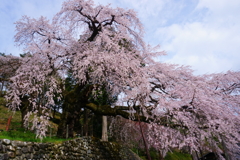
point(28, 136)
point(16, 132)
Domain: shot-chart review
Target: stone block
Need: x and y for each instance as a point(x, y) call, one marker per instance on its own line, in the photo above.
point(11, 148)
point(14, 143)
point(30, 149)
point(28, 156)
point(11, 154)
point(3, 148)
point(29, 143)
point(18, 152)
point(36, 156)
point(36, 147)
point(6, 141)
point(42, 146)
point(4, 156)
point(25, 149)
point(41, 151)
point(22, 144)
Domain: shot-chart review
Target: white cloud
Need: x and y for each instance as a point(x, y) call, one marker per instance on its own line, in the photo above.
point(210, 43)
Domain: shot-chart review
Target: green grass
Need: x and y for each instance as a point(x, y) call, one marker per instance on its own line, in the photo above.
point(2, 101)
point(5, 114)
point(16, 132)
point(177, 156)
point(22, 135)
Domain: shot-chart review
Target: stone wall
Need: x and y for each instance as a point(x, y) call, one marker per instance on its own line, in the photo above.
point(85, 148)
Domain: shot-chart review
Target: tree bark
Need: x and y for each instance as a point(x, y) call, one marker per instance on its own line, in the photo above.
point(160, 155)
point(104, 129)
point(225, 149)
point(144, 140)
point(63, 124)
point(1, 92)
point(122, 111)
point(24, 108)
point(85, 121)
point(24, 112)
point(97, 126)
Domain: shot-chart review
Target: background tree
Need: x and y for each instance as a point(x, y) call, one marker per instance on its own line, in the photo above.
point(8, 66)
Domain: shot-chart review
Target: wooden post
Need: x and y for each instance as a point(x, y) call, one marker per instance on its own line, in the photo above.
point(67, 132)
point(82, 131)
point(104, 129)
point(8, 123)
point(50, 132)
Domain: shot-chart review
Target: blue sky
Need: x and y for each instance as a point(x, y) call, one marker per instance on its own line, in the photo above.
point(204, 34)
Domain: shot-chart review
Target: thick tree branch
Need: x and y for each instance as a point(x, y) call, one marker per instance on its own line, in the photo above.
point(109, 23)
point(123, 112)
point(116, 111)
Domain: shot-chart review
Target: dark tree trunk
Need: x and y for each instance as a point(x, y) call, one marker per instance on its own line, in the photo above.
point(54, 112)
point(197, 155)
point(24, 112)
point(1, 92)
point(97, 125)
point(85, 122)
point(71, 126)
point(144, 140)
point(77, 126)
point(62, 126)
point(71, 117)
point(24, 108)
point(160, 155)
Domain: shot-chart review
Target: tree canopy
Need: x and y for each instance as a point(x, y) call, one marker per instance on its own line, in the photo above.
point(103, 47)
